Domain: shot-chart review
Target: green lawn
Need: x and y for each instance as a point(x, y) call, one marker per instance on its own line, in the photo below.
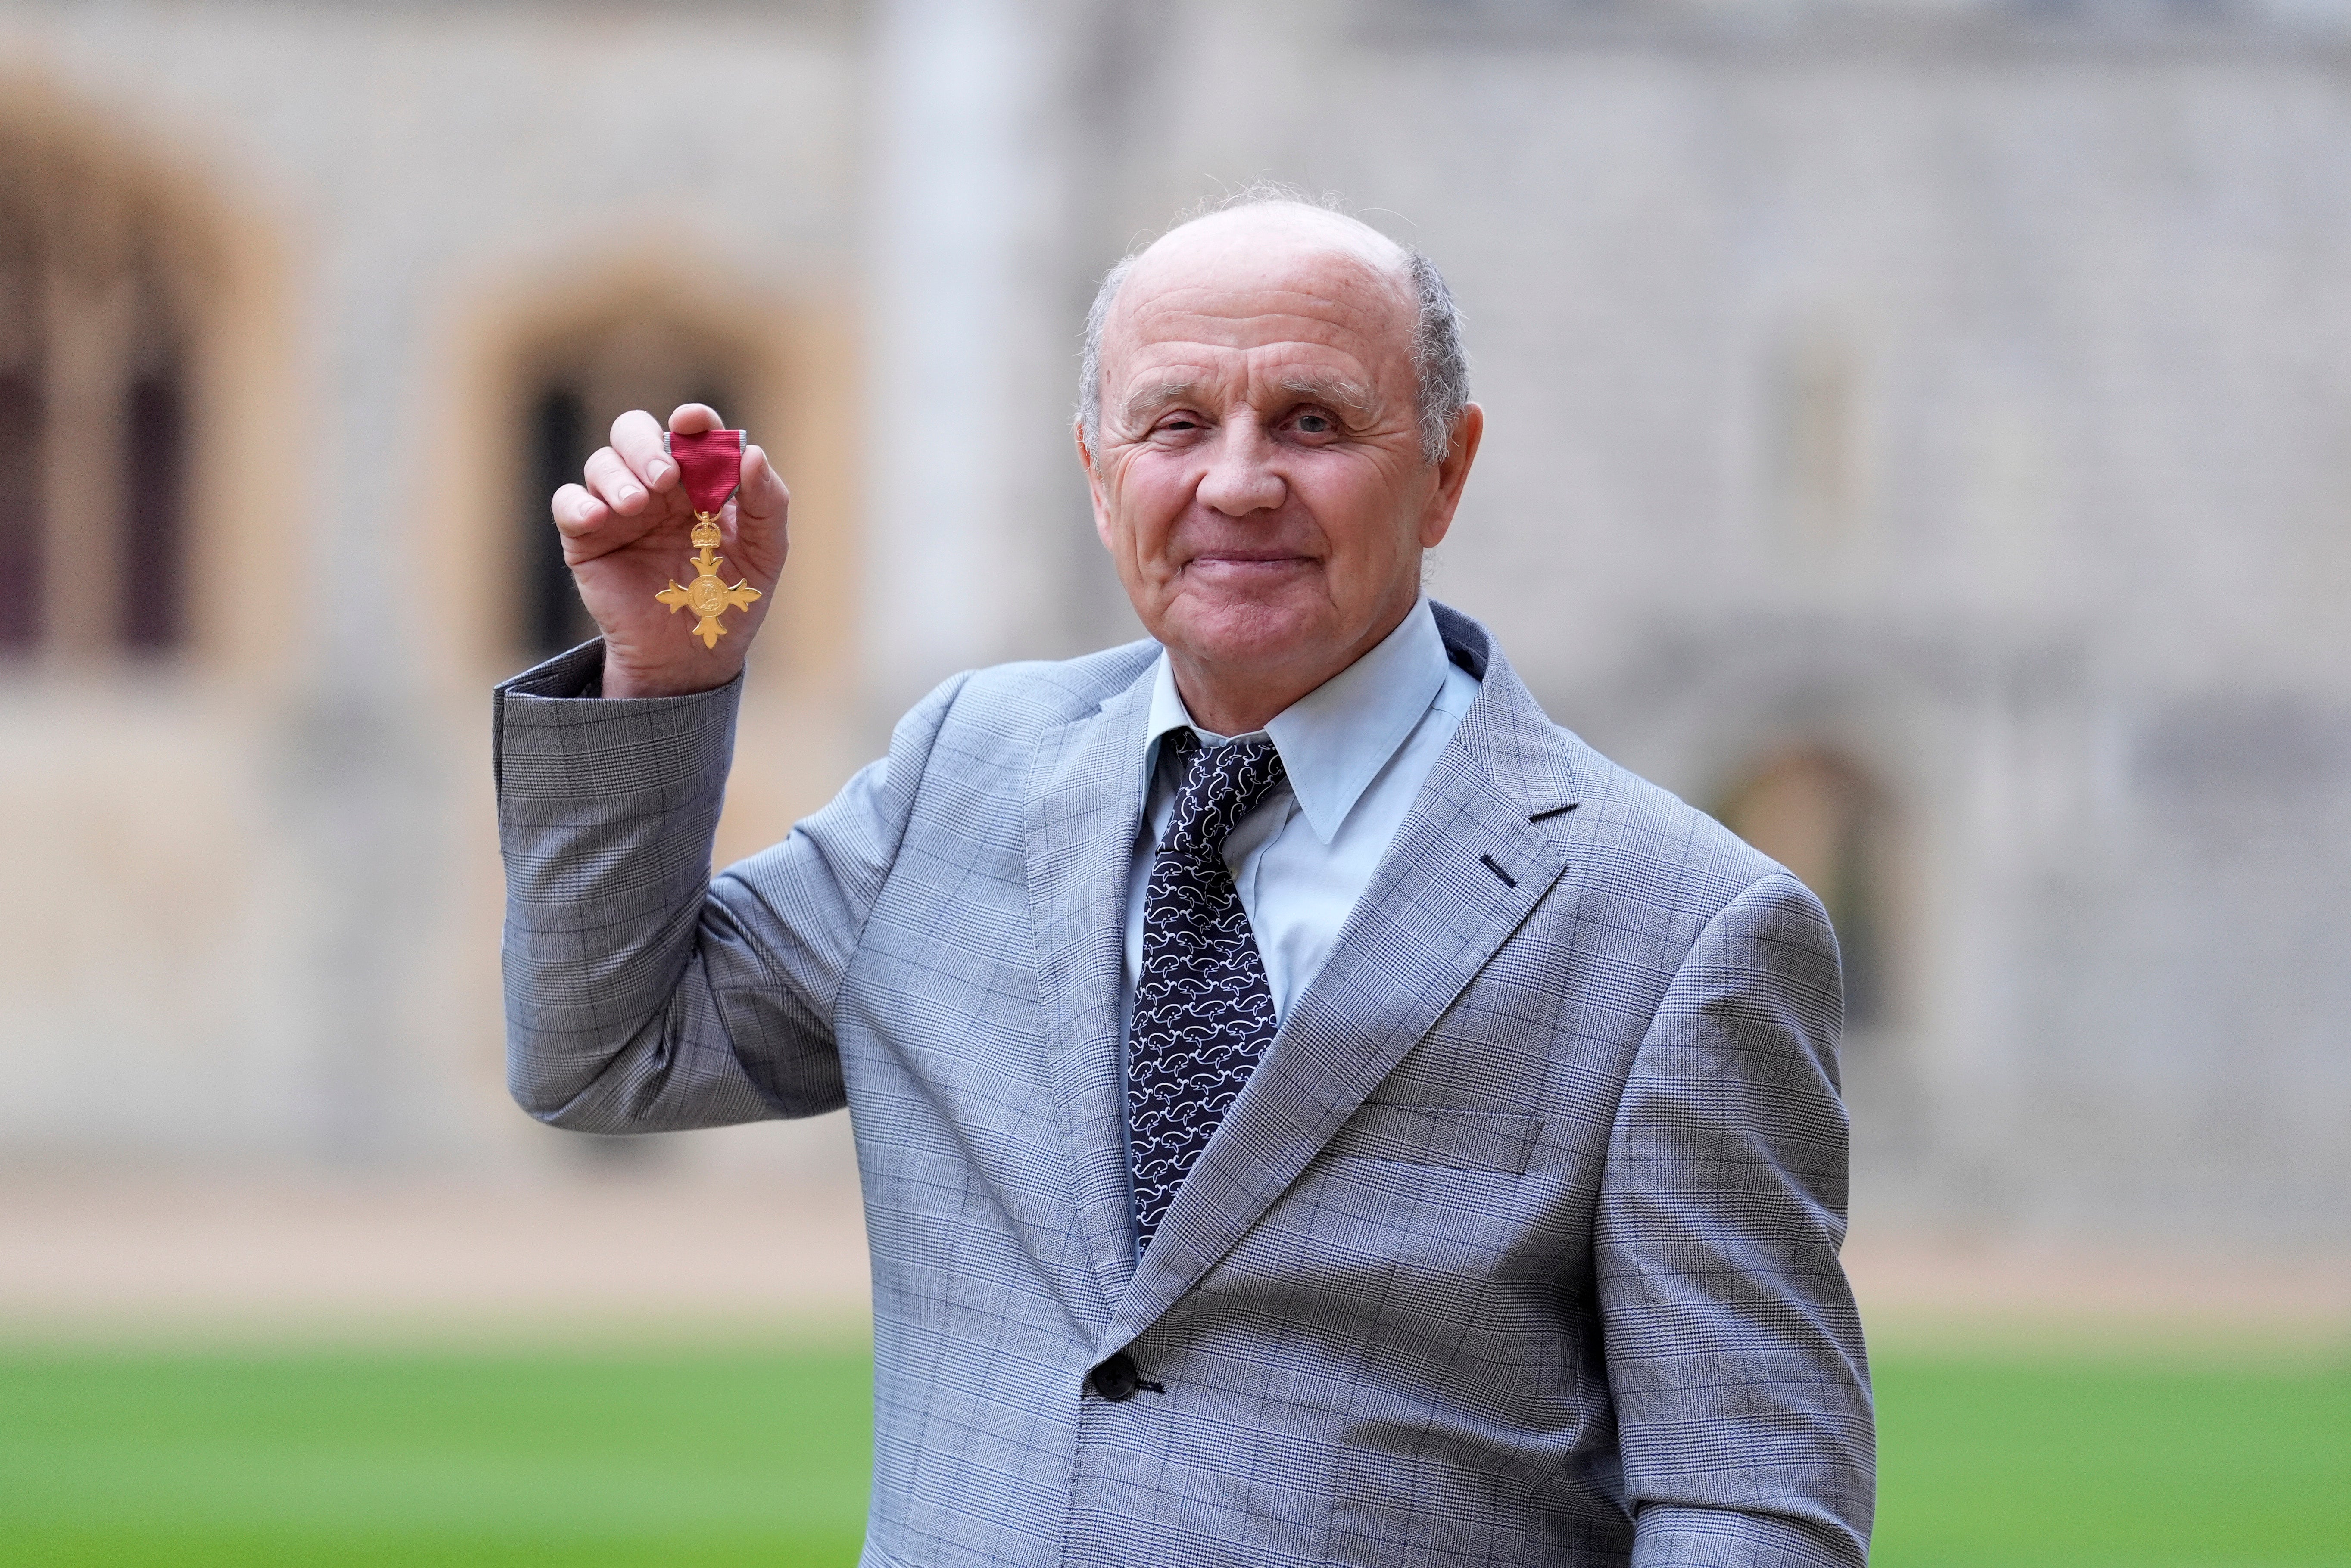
point(2112, 1463)
point(456, 1460)
point(339, 1458)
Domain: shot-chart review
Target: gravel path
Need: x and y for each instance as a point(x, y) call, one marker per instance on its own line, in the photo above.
point(628, 1255)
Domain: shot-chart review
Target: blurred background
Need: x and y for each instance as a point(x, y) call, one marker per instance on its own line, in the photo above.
point(1919, 433)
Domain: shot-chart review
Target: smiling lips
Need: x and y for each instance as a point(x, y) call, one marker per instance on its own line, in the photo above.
point(1249, 562)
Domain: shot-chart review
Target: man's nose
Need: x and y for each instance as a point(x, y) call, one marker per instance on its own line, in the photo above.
point(1241, 477)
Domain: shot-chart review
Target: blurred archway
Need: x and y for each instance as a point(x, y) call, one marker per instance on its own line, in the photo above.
point(96, 279)
point(1828, 822)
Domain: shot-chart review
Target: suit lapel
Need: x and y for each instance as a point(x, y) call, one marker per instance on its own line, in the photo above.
point(1432, 917)
point(1084, 810)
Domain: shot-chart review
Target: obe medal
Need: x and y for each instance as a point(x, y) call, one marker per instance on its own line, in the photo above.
point(709, 465)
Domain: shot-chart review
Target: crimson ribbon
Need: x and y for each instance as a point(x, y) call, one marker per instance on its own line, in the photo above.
point(709, 463)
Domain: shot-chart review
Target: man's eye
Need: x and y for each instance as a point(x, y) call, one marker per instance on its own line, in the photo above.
point(1315, 424)
point(1179, 424)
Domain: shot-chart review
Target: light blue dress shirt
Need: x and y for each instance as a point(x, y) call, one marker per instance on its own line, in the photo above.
point(1356, 748)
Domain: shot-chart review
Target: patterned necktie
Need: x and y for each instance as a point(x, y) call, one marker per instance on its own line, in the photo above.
point(1202, 1012)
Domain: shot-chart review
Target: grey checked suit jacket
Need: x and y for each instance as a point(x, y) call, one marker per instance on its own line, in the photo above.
point(1520, 1246)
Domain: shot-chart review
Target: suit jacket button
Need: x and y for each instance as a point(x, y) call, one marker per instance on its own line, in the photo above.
point(1116, 1378)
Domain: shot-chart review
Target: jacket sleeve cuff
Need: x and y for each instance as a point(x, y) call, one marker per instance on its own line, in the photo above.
point(1672, 1537)
point(553, 740)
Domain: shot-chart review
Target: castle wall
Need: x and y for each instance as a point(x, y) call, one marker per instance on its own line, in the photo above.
point(1959, 399)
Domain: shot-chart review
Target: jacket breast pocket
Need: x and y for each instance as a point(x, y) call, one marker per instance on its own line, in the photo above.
point(1437, 1136)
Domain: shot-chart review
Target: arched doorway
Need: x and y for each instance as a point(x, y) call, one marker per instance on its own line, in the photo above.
point(1827, 821)
point(95, 345)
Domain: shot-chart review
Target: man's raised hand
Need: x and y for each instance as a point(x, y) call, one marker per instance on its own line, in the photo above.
point(625, 530)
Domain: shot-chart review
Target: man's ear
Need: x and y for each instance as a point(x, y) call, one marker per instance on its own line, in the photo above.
point(1094, 482)
point(1452, 474)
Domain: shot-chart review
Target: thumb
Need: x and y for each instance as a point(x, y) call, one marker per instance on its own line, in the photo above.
point(761, 496)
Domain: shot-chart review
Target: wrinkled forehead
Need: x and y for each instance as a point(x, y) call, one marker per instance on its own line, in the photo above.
point(1261, 278)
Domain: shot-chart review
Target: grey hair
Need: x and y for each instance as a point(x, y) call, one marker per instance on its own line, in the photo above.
point(1439, 362)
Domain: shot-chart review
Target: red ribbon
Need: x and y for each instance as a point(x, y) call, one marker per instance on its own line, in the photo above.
point(710, 465)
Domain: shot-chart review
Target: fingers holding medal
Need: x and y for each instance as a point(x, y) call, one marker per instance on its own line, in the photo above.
point(710, 466)
point(696, 495)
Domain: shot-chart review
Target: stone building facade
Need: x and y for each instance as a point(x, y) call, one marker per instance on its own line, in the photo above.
point(1919, 431)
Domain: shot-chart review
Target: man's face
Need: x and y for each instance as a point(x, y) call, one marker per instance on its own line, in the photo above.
point(1258, 475)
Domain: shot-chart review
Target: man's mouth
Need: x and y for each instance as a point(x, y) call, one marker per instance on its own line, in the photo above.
point(1246, 561)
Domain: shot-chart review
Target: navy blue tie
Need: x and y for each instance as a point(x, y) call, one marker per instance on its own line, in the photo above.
point(1202, 1012)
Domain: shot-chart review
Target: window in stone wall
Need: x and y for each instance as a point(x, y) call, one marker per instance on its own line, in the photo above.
point(1814, 440)
point(21, 512)
point(94, 438)
point(1826, 820)
point(576, 386)
point(154, 513)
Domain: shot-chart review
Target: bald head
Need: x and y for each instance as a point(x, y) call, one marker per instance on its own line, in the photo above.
point(1244, 238)
point(1243, 241)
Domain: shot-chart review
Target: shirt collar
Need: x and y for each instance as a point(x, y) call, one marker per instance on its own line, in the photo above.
point(1335, 740)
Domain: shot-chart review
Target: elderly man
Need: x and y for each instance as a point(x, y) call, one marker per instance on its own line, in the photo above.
point(1311, 1109)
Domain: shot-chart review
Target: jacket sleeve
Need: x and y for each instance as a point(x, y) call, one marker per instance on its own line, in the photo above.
point(1733, 1347)
point(643, 994)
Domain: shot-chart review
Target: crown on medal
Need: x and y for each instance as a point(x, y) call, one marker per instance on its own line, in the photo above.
point(705, 532)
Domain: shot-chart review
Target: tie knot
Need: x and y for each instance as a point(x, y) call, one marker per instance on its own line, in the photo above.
point(1221, 785)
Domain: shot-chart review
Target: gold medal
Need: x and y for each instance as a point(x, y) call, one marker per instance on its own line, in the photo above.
point(707, 595)
point(707, 464)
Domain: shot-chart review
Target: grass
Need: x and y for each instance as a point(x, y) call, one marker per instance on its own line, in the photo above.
point(347, 1459)
point(341, 1457)
point(2097, 1462)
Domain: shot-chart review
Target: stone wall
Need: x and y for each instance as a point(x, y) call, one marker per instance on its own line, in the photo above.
point(1953, 398)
